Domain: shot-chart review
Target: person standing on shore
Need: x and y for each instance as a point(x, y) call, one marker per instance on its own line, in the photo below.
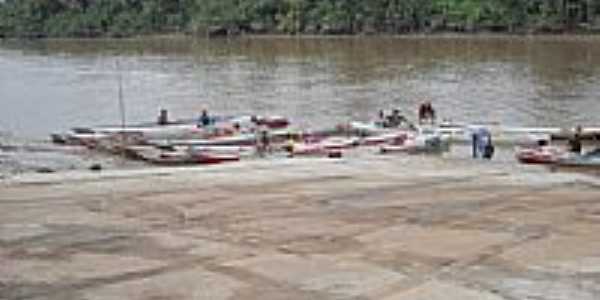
point(263, 140)
point(482, 145)
point(575, 145)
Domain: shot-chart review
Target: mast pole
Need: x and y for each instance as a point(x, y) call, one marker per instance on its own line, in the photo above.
point(121, 106)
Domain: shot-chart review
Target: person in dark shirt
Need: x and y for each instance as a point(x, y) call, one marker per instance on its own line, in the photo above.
point(163, 117)
point(204, 119)
point(426, 113)
point(575, 141)
point(395, 119)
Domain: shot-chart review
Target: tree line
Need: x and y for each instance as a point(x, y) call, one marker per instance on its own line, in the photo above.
point(121, 18)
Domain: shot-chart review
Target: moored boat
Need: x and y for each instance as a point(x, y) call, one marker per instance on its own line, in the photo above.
point(428, 140)
point(590, 160)
point(539, 155)
point(313, 150)
point(339, 143)
point(387, 138)
point(210, 157)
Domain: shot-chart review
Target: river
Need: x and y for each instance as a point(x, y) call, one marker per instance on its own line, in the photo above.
point(52, 85)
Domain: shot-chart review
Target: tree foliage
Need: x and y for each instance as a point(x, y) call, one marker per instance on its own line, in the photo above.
point(89, 18)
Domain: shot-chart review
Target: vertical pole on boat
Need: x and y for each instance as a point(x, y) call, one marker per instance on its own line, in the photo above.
point(121, 101)
point(121, 106)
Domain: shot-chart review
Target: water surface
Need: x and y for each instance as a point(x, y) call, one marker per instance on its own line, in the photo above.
point(52, 85)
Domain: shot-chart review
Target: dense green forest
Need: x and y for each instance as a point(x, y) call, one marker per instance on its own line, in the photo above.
point(92, 18)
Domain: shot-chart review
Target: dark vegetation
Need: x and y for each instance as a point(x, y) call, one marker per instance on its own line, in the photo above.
point(120, 18)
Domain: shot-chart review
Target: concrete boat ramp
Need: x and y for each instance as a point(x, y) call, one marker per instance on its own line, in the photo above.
point(390, 228)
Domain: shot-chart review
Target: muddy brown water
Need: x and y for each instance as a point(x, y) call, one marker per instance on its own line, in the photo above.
point(52, 85)
point(48, 86)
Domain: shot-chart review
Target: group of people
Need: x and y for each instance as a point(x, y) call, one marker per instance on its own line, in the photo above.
point(482, 144)
point(393, 120)
point(426, 115)
point(203, 121)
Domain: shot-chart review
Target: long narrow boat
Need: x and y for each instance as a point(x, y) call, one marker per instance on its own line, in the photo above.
point(233, 140)
point(397, 137)
point(185, 130)
point(461, 132)
point(185, 155)
point(426, 141)
point(214, 157)
point(588, 161)
point(313, 150)
point(539, 155)
point(339, 143)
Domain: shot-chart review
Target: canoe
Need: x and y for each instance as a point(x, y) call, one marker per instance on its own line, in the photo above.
point(313, 150)
point(539, 155)
point(339, 143)
point(590, 160)
point(167, 157)
point(177, 155)
point(184, 130)
point(387, 138)
point(222, 149)
point(421, 143)
point(274, 122)
point(234, 140)
point(207, 157)
point(370, 128)
point(271, 122)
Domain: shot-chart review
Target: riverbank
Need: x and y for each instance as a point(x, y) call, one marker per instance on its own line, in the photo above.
point(573, 34)
point(390, 227)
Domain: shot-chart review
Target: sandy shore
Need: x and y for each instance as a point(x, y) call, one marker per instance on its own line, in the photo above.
point(390, 228)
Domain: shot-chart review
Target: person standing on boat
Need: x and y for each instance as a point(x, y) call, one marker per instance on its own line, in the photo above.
point(575, 141)
point(381, 119)
point(426, 113)
point(163, 117)
point(263, 140)
point(204, 119)
point(395, 119)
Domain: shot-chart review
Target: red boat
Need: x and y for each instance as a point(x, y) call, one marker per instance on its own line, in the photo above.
point(214, 158)
point(338, 143)
point(314, 150)
point(539, 155)
point(273, 122)
point(395, 138)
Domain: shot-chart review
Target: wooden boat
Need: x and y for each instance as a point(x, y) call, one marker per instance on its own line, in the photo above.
point(233, 140)
point(426, 141)
point(387, 138)
point(313, 150)
point(185, 130)
point(589, 161)
point(539, 155)
point(166, 157)
point(339, 143)
point(371, 128)
point(271, 122)
point(182, 155)
point(208, 157)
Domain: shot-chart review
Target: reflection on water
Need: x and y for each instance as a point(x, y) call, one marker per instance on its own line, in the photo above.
point(52, 85)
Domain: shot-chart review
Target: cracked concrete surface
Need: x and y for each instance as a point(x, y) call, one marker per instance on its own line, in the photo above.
point(387, 228)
